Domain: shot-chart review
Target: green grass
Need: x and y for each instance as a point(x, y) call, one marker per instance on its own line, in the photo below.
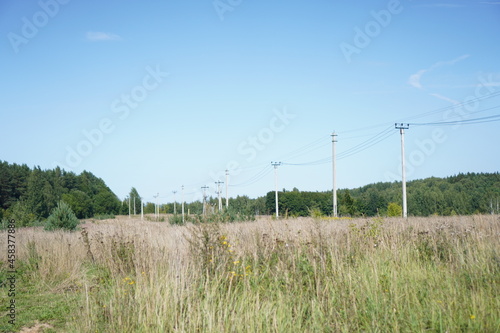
point(303, 275)
point(37, 300)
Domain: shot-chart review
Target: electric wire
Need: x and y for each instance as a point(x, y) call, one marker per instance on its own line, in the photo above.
point(255, 178)
point(454, 106)
point(373, 140)
point(480, 120)
point(352, 151)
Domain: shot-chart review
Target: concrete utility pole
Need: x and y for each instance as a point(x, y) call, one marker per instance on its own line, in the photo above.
point(275, 165)
point(218, 183)
point(142, 210)
point(204, 188)
point(175, 208)
point(334, 166)
point(227, 184)
point(134, 207)
point(182, 195)
point(402, 128)
point(156, 205)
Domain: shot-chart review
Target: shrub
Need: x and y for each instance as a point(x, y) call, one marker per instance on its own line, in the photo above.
point(176, 219)
point(62, 217)
point(394, 210)
point(315, 212)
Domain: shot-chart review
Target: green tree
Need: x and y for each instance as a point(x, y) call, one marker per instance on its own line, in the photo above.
point(393, 209)
point(105, 202)
point(242, 204)
point(62, 217)
point(34, 197)
point(259, 206)
point(22, 214)
point(149, 208)
point(80, 203)
point(346, 204)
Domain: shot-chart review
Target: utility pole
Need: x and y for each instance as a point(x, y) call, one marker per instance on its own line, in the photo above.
point(227, 184)
point(182, 195)
point(175, 210)
point(334, 166)
point(134, 207)
point(402, 128)
point(218, 183)
point(156, 205)
point(275, 165)
point(142, 210)
point(204, 188)
point(129, 206)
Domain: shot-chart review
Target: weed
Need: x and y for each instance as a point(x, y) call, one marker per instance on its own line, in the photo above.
point(302, 275)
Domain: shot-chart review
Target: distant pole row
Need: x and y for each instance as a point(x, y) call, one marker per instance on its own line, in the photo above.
point(401, 128)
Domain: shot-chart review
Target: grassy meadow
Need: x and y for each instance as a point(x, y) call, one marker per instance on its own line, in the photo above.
point(436, 274)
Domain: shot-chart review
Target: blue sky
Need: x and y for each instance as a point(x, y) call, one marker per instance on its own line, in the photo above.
point(160, 94)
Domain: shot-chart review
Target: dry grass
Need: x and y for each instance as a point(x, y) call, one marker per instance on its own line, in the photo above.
point(297, 275)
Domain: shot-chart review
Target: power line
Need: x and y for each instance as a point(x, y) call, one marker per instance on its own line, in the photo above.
point(481, 120)
point(352, 151)
point(255, 178)
point(373, 140)
point(367, 144)
point(429, 113)
point(307, 148)
point(454, 106)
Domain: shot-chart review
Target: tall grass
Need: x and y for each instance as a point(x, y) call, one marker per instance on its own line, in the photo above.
point(299, 275)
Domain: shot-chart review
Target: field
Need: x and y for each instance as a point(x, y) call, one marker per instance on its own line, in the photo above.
point(436, 274)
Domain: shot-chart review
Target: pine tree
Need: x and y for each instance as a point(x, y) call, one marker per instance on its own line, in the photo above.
point(62, 217)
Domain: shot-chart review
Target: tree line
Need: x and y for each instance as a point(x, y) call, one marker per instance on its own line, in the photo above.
point(462, 194)
point(29, 195)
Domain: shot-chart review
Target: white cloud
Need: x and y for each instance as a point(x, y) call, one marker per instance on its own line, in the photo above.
point(414, 79)
point(450, 62)
point(95, 36)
